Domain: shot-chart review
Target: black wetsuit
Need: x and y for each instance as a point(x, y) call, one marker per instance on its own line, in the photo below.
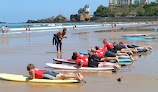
point(57, 41)
point(132, 46)
point(118, 47)
point(112, 52)
point(93, 61)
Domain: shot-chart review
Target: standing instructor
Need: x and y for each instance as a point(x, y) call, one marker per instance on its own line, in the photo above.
point(57, 39)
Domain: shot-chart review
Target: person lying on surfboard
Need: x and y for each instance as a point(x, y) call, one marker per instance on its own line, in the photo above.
point(136, 47)
point(122, 49)
point(93, 61)
point(76, 56)
point(44, 74)
point(103, 53)
point(84, 59)
point(110, 49)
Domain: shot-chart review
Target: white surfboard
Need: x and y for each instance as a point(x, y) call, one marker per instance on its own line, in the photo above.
point(75, 67)
point(21, 78)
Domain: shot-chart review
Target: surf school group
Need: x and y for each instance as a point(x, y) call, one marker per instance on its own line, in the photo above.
point(110, 57)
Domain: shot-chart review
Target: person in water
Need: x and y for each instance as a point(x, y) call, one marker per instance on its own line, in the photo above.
point(44, 74)
point(7, 29)
point(26, 28)
point(3, 29)
point(57, 39)
point(29, 27)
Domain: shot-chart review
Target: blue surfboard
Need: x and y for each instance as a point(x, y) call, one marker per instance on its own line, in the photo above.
point(122, 63)
point(143, 50)
point(84, 53)
point(136, 37)
point(124, 60)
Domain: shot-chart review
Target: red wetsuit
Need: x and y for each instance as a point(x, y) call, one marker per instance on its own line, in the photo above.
point(100, 52)
point(108, 46)
point(38, 73)
point(125, 45)
point(83, 58)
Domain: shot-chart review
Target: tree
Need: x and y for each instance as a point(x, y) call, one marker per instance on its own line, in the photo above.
point(102, 12)
point(140, 13)
point(124, 14)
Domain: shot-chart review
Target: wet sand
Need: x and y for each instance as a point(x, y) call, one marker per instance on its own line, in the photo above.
point(17, 52)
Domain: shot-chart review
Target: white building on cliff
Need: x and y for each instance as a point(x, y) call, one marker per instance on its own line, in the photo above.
point(119, 2)
point(141, 2)
point(84, 10)
point(112, 2)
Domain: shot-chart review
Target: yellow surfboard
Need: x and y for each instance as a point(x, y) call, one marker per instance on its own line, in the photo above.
point(21, 78)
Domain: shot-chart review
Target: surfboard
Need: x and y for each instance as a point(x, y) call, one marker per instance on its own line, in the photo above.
point(124, 60)
point(84, 53)
point(75, 67)
point(62, 60)
point(153, 35)
point(125, 63)
point(21, 78)
point(120, 63)
point(74, 62)
point(136, 37)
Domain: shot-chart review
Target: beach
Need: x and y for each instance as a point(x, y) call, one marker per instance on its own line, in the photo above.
point(18, 49)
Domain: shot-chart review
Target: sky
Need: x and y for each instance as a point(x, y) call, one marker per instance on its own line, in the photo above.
point(18, 11)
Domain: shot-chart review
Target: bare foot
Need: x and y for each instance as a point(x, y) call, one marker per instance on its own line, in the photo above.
point(80, 77)
point(131, 52)
point(131, 58)
point(117, 66)
point(135, 50)
point(117, 60)
point(61, 51)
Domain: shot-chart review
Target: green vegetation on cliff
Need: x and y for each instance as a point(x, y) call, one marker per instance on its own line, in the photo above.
point(104, 12)
point(128, 10)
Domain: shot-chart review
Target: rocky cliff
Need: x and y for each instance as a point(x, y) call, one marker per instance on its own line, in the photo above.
point(59, 19)
point(80, 18)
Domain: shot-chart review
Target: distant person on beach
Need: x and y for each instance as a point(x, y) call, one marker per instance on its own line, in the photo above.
point(3, 29)
point(6, 29)
point(115, 25)
point(44, 74)
point(104, 24)
point(112, 25)
point(26, 28)
point(122, 29)
point(29, 27)
point(75, 26)
point(57, 39)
